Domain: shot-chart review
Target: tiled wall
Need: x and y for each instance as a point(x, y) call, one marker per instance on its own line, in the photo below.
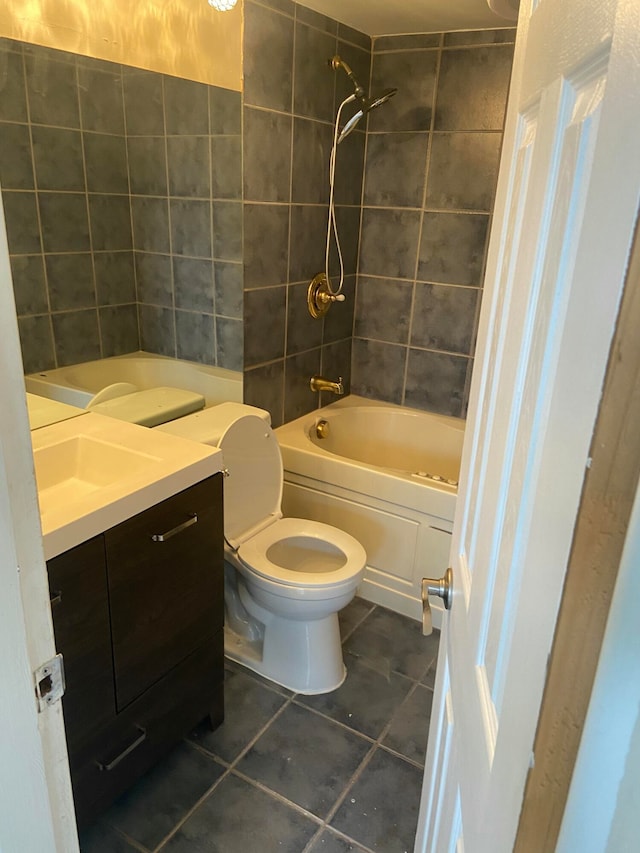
point(430, 175)
point(290, 100)
point(121, 192)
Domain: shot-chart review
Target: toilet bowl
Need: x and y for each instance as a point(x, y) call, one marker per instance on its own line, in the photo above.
point(285, 578)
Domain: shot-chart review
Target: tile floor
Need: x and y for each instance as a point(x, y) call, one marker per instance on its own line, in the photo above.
point(291, 773)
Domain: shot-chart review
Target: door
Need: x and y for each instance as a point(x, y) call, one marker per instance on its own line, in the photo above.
point(565, 210)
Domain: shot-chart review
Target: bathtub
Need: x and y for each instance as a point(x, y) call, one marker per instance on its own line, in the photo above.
point(387, 475)
point(79, 383)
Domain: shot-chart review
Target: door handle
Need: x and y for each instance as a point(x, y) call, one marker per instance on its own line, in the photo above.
point(162, 537)
point(443, 588)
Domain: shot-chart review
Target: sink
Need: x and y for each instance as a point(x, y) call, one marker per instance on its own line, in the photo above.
point(93, 472)
point(68, 471)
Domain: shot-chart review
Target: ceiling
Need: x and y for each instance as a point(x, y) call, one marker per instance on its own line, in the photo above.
point(392, 17)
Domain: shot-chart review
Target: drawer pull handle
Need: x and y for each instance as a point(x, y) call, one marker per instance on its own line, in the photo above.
point(162, 537)
point(142, 736)
point(55, 597)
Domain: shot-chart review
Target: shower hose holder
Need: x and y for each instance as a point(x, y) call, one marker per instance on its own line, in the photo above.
point(319, 296)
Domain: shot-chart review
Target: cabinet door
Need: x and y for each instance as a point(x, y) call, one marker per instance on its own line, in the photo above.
point(165, 571)
point(80, 610)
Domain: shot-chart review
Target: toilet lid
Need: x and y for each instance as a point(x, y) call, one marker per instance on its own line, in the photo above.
point(253, 487)
point(301, 552)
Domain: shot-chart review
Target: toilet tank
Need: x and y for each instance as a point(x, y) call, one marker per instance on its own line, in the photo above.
point(208, 425)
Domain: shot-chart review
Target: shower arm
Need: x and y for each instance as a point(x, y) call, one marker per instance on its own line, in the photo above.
point(335, 63)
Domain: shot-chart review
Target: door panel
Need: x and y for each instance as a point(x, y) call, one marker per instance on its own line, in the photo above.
point(563, 224)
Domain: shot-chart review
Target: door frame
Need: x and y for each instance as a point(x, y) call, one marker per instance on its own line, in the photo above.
point(601, 531)
point(36, 802)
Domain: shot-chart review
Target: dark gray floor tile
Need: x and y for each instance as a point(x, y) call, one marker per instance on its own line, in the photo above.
point(101, 838)
point(353, 614)
point(249, 706)
point(151, 809)
point(410, 725)
point(381, 809)
point(366, 701)
point(239, 818)
point(390, 642)
point(329, 842)
point(305, 758)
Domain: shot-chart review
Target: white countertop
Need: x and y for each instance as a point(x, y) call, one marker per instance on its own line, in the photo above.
point(94, 472)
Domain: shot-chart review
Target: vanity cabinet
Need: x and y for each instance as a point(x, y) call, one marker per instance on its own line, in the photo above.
point(138, 616)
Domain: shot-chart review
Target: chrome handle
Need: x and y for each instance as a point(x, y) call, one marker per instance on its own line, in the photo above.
point(129, 749)
point(443, 588)
point(55, 598)
point(162, 537)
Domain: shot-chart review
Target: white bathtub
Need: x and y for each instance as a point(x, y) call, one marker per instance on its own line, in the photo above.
point(368, 477)
point(79, 383)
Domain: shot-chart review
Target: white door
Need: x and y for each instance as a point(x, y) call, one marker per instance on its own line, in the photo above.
point(566, 204)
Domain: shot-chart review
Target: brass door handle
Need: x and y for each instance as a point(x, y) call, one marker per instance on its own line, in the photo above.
point(443, 588)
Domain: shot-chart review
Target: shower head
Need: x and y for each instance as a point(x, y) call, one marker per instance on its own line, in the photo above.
point(368, 104)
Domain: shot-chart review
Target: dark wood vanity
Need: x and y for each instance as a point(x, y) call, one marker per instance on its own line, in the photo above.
point(138, 618)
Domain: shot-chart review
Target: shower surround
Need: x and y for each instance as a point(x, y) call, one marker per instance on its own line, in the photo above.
point(414, 239)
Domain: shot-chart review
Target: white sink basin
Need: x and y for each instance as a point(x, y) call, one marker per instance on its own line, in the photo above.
point(70, 470)
point(94, 472)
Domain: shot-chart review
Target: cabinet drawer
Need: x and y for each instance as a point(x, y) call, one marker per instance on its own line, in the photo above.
point(80, 610)
point(165, 576)
point(148, 728)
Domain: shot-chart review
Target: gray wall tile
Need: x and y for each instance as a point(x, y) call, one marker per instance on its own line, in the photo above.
point(383, 310)
point(312, 142)
point(266, 236)
point(446, 316)
point(377, 370)
point(414, 41)
point(225, 111)
point(147, 165)
point(474, 37)
point(52, 91)
point(472, 88)
point(226, 167)
point(150, 224)
point(143, 103)
point(157, 330)
point(13, 101)
point(64, 222)
point(29, 285)
point(119, 329)
point(154, 279)
point(413, 73)
point(16, 160)
point(463, 170)
point(36, 341)
point(388, 242)
point(70, 281)
point(267, 155)
point(264, 388)
point(228, 225)
point(298, 370)
point(228, 287)
point(436, 381)
point(195, 337)
point(452, 248)
point(101, 100)
point(308, 239)
point(186, 106)
point(395, 168)
point(265, 317)
point(313, 78)
point(268, 58)
point(106, 163)
point(115, 277)
point(190, 227)
point(193, 284)
point(303, 331)
point(21, 217)
point(77, 336)
point(189, 166)
point(229, 342)
point(57, 156)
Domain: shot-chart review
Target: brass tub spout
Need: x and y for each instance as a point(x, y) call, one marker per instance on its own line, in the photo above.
point(319, 383)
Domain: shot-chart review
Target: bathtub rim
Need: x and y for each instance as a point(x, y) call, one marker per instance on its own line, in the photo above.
point(304, 459)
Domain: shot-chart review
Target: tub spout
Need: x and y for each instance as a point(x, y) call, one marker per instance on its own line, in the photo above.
point(319, 383)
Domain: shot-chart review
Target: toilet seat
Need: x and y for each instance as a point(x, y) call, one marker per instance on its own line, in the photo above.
point(308, 543)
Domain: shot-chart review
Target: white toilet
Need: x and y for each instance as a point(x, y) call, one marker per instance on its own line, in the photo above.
point(285, 578)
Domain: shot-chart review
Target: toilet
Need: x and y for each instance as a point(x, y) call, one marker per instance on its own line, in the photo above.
point(285, 578)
